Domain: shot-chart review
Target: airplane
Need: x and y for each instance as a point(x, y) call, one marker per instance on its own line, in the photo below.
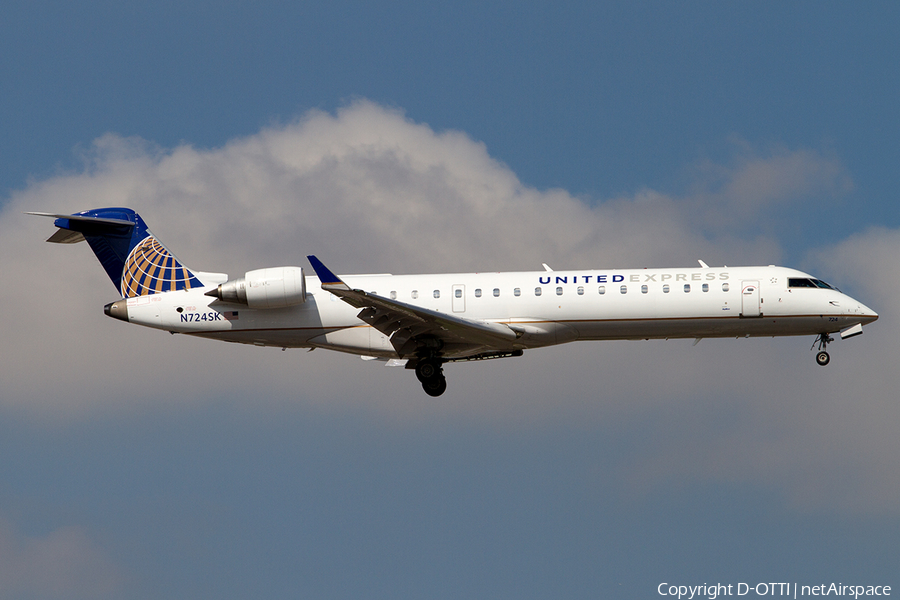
point(425, 321)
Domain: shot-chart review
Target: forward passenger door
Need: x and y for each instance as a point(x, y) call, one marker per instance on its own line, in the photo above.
point(750, 299)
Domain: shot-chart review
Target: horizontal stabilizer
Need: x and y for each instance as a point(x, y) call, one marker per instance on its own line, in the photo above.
point(65, 236)
point(84, 219)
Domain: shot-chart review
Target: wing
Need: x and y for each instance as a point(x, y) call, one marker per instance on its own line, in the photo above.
point(409, 327)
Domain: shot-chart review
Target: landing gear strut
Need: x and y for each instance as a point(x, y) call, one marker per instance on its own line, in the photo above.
point(822, 357)
point(430, 373)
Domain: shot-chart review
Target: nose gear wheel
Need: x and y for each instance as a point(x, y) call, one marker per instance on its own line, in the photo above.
point(822, 357)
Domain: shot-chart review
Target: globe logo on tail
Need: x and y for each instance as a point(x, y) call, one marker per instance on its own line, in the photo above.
point(151, 269)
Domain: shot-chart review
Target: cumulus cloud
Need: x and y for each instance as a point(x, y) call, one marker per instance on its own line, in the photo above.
point(370, 191)
point(65, 563)
point(736, 194)
point(378, 191)
point(825, 437)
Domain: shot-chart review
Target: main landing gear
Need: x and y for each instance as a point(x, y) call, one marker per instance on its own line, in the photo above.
point(430, 373)
point(822, 357)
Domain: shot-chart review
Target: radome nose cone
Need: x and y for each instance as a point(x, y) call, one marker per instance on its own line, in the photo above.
point(117, 310)
point(868, 314)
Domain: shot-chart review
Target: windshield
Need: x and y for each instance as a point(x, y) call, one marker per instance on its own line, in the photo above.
point(797, 282)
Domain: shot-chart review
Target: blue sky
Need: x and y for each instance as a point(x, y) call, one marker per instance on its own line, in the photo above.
point(499, 135)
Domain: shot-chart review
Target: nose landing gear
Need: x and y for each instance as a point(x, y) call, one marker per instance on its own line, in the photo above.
point(822, 357)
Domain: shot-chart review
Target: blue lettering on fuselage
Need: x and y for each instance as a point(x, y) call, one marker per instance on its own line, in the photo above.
point(710, 276)
point(194, 317)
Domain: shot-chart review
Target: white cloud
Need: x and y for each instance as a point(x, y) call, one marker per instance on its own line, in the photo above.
point(65, 563)
point(738, 194)
point(369, 191)
point(824, 437)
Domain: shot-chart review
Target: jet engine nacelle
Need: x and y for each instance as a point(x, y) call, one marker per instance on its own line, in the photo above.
point(275, 287)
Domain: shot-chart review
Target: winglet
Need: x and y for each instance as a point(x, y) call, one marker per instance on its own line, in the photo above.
point(328, 279)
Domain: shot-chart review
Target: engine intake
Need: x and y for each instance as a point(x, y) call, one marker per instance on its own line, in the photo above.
point(275, 287)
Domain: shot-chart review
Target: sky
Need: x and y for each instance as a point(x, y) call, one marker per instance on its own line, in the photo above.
point(411, 137)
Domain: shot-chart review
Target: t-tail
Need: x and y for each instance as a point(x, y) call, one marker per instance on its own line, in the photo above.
point(136, 262)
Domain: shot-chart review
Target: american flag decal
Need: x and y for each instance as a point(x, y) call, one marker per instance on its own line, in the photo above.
point(230, 315)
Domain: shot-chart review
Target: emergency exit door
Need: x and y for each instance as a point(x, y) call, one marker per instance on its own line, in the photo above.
point(459, 298)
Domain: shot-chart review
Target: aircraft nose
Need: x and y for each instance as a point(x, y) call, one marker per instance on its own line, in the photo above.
point(868, 315)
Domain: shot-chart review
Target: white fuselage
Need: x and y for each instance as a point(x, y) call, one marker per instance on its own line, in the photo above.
point(543, 307)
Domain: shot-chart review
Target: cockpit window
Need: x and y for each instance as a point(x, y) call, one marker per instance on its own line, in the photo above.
point(796, 282)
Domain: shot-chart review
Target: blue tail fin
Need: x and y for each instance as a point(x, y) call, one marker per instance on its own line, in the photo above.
point(135, 261)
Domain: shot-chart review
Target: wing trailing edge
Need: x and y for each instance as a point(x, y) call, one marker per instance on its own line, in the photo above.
point(403, 322)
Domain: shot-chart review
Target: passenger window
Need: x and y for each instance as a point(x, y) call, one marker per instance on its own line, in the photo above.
point(724, 287)
point(602, 289)
point(393, 295)
point(437, 293)
point(458, 293)
point(644, 289)
point(478, 292)
point(623, 289)
point(415, 294)
point(581, 290)
point(666, 289)
point(559, 291)
point(705, 287)
point(537, 291)
point(517, 292)
point(496, 292)
point(687, 288)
